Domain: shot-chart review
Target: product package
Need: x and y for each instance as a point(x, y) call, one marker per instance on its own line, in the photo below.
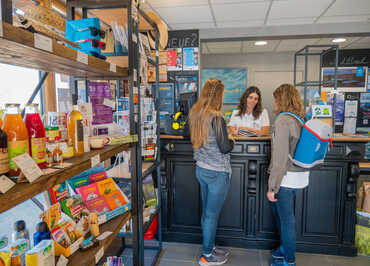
point(89, 192)
point(76, 209)
point(96, 177)
point(115, 199)
point(98, 205)
point(41, 255)
point(106, 186)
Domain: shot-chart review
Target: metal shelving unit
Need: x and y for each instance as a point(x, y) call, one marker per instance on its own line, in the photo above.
point(316, 50)
point(137, 173)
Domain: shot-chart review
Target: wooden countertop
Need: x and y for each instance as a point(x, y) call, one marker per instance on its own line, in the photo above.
point(336, 138)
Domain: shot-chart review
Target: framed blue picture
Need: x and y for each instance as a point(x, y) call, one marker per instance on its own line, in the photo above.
point(235, 80)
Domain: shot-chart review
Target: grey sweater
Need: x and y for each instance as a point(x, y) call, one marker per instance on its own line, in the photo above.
point(285, 137)
point(216, 154)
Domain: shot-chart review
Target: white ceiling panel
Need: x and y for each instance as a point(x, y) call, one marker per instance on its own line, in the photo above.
point(298, 8)
point(224, 45)
point(187, 26)
point(240, 23)
point(342, 19)
point(349, 7)
point(175, 3)
point(294, 45)
point(249, 47)
point(325, 41)
point(240, 11)
point(185, 14)
point(225, 51)
point(290, 21)
point(361, 43)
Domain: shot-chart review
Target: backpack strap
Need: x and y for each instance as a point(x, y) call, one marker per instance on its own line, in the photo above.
point(291, 114)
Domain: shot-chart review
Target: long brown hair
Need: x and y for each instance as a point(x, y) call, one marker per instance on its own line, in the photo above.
point(208, 106)
point(288, 99)
point(242, 107)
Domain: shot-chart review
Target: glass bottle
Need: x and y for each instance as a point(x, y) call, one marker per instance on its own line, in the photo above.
point(17, 133)
point(57, 153)
point(4, 159)
point(36, 134)
point(75, 131)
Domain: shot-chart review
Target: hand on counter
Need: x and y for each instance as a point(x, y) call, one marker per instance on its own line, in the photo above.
point(233, 130)
point(271, 196)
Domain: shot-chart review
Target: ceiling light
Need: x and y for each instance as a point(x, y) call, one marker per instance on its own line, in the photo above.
point(339, 40)
point(260, 43)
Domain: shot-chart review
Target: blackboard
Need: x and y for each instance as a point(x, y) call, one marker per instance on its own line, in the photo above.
point(348, 58)
point(183, 38)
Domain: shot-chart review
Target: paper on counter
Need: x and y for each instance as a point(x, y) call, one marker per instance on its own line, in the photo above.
point(5, 184)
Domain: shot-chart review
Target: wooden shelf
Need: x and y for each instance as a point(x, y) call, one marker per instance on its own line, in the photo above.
point(23, 191)
point(17, 47)
point(87, 257)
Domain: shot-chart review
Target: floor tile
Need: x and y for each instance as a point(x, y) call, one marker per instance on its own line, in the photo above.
point(180, 252)
point(176, 263)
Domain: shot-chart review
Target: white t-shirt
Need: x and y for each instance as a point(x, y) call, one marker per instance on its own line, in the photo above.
point(248, 120)
point(295, 179)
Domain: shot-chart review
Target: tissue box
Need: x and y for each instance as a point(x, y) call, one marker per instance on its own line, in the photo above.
point(41, 255)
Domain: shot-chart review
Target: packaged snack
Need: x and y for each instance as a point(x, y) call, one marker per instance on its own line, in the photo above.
point(115, 199)
point(41, 255)
point(58, 193)
point(106, 186)
point(96, 177)
point(52, 216)
point(88, 192)
point(98, 205)
point(76, 209)
point(79, 181)
point(61, 236)
point(5, 257)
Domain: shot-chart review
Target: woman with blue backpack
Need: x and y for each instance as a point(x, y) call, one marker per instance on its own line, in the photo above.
point(285, 178)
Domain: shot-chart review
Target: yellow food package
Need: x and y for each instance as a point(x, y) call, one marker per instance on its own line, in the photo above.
point(5, 257)
point(41, 255)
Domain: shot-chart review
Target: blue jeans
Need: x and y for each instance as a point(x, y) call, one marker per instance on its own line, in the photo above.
point(283, 211)
point(214, 186)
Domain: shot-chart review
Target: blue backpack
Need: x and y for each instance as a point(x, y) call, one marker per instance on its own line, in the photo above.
point(313, 142)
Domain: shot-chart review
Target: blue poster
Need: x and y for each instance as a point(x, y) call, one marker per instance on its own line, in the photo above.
point(234, 79)
point(190, 58)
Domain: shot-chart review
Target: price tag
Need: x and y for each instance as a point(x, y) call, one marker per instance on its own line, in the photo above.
point(135, 90)
point(156, 53)
point(62, 261)
point(42, 42)
point(82, 57)
point(109, 103)
point(134, 38)
point(99, 255)
point(113, 67)
point(5, 184)
point(102, 219)
point(1, 29)
point(95, 160)
point(104, 235)
point(63, 146)
point(28, 167)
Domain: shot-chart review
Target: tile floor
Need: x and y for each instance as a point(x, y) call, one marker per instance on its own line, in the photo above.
point(176, 254)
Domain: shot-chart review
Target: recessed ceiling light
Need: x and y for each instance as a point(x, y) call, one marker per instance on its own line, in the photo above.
point(339, 40)
point(260, 43)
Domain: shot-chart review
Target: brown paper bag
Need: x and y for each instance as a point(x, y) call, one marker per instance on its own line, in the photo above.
point(366, 204)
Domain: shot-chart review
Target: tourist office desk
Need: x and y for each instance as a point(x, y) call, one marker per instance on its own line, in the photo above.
point(325, 210)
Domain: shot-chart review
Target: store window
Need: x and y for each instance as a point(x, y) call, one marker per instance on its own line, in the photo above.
point(17, 85)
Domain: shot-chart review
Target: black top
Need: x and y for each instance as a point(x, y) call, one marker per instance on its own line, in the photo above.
point(222, 137)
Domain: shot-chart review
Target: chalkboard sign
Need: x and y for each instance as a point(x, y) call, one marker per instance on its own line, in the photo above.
point(183, 38)
point(347, 58)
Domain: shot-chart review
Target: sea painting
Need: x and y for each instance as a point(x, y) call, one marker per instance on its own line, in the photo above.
point(235, 80)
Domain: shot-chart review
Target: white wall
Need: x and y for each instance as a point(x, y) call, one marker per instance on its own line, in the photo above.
point(277, 67)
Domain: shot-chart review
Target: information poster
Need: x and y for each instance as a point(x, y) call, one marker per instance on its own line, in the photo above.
point(191, 58)
point(98, 91)
point(174, 59)
point(186, 84)
point(363, 124)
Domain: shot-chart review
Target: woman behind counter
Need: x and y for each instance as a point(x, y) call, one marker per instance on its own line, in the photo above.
point(250, 114)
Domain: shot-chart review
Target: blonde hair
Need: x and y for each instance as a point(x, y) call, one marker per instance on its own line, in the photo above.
point(208, 106)
point(288, 99)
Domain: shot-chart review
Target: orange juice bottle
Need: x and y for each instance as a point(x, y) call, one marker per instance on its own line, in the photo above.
point(17, 133)
point(75, 131)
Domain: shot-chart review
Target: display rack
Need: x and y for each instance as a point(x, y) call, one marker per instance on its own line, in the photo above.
point(122, 11)
point(22, 48)
point(310, 51)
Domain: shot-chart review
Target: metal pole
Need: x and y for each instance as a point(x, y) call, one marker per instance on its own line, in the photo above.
point(305, 78)
point(295, 69)
point(157, 103)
